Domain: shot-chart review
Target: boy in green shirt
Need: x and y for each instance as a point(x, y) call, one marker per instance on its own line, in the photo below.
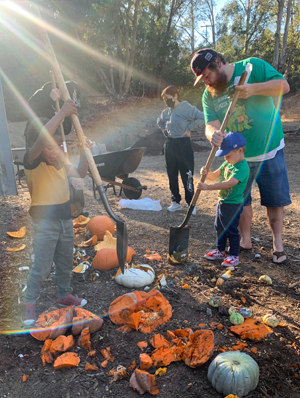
point(233, 176)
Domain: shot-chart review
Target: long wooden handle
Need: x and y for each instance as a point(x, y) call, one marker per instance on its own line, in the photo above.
point(222, 129)
point(63, 137)
point(65, 95)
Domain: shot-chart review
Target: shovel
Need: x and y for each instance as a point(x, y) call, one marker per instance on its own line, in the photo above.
point(122, 239)
point(76, 195)
point(179, 236)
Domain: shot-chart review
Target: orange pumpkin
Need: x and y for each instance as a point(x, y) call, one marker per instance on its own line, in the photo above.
point(99, 224)
point(107, 259)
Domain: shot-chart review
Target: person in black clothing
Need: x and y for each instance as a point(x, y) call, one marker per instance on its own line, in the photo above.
point(42, 103)
point(176, 123)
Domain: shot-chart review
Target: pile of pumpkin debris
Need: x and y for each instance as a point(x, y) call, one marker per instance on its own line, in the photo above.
point(232, 373)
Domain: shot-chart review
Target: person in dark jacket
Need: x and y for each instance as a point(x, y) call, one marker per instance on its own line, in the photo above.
point(176, 122)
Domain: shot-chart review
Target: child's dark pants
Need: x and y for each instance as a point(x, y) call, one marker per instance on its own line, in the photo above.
point(226, 226)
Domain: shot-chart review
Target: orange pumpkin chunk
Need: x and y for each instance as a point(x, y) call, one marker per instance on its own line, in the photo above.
point(145, 361)
point(107, 355)
point(142, 345)
point(84, 339)
point(46, 354)
point(152, 257)
point(62, 344)
point(158, 341)
point(66, 360)
point(142, 382)
point(91, 242)
point(251, 329)
point(89, 366)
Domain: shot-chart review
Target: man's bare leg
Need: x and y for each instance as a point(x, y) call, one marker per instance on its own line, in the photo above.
point(245, 227)
point(275, 218)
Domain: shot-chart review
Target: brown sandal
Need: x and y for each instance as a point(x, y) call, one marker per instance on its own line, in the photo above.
point(277, 258)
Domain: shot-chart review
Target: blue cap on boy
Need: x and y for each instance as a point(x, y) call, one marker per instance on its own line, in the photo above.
point(231, 141)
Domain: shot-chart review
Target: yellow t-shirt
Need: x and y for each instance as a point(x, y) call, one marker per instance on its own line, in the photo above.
point(49, 189)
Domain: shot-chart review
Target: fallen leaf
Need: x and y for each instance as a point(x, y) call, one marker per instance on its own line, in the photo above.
point(25, 377)
point(16, 249)
point(18, 234)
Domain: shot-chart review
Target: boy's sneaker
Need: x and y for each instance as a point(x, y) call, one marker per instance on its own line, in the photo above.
point(215, 255)
point(175, 207)
point(231, 261)
point(194, 211)
point(72, 300)
point(28, 314)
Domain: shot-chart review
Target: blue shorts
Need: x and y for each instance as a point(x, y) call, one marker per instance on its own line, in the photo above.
point(272, 180)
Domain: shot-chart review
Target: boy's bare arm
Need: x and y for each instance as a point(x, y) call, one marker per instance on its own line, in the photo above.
point(82, 168)
point(210, 175)
point(49, 130)
point(219, 185)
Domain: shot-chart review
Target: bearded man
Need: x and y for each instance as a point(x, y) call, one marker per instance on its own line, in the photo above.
point(257, 119)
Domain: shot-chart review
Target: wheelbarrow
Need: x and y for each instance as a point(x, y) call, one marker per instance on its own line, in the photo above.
point(120, 164)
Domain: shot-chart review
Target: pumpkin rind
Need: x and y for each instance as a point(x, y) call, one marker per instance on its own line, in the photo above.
point(233, 372)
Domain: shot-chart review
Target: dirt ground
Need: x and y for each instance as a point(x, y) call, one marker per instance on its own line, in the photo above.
point(277, 356)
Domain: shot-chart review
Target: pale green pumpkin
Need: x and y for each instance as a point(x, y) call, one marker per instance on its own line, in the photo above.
point(233, 372)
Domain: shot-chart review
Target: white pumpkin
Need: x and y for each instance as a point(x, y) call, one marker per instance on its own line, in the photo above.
point(233, 372)
point(136, 277)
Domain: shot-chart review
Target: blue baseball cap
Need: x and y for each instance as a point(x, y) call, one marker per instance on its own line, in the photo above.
point(231, 141)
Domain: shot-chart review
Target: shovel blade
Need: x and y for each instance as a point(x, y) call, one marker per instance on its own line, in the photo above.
point(179, 239)
point(122, 244)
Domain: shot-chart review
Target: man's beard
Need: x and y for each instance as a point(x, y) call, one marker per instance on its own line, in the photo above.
point(220, 85)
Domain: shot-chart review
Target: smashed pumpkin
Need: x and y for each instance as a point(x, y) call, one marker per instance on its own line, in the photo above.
point(107, 259)
point(109, 242)
point(18, 234)
point(251, 329)
point(82, 319)
point(53, 324)
point(140, 310)
point(80, 221)
point(66, 360)
point(193, 348)
point(142, 382)
point(99, 225)
point(91, 242)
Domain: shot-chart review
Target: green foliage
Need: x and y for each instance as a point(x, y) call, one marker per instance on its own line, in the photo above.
point(101, 40)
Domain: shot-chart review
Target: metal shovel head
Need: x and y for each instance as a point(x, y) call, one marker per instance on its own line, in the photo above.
point(179, 239)
point(77, 200)
point(122, 237)
point(122, 244)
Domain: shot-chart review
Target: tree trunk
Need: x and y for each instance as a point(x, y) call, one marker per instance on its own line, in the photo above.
point(283, 54)
point(192, 27)
point(277, 33)
point(132, 50)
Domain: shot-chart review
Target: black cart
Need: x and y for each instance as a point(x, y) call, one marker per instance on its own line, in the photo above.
point(120, 164)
